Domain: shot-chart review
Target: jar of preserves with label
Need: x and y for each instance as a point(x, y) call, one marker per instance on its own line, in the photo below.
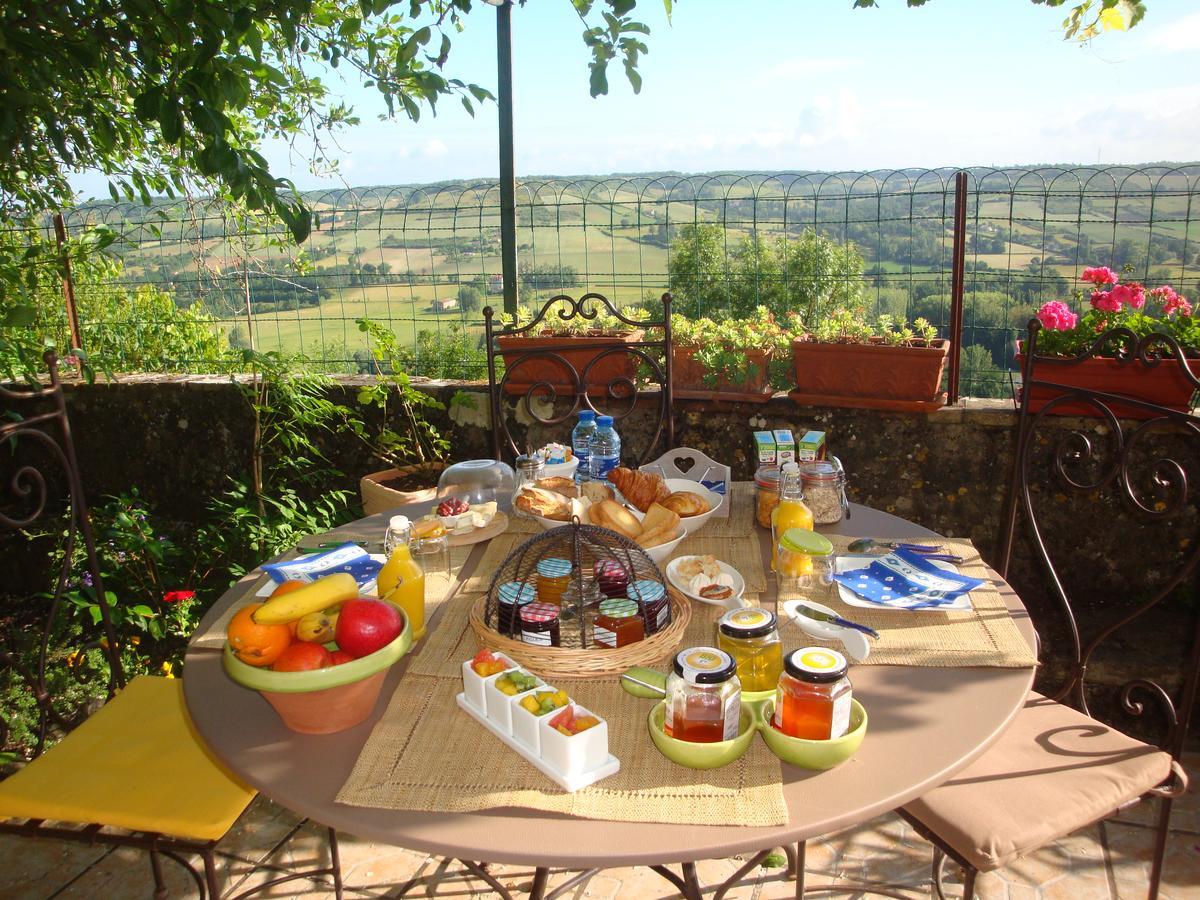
point(751, 637)
point(651, 598)
point(704, 697)
point(553, 576)
point(825, 490)
point(618, 624)
point(512, 595)
point(766, 494)
point(813, 697)
point(539, 624)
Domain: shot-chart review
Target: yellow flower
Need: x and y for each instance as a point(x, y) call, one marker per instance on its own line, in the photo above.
point(74, 658)
point(168, 670)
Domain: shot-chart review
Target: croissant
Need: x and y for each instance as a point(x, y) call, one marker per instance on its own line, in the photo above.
point(639, 488)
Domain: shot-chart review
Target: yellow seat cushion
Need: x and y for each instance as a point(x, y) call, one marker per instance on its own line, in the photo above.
point(1052, 772)
point(138, 764)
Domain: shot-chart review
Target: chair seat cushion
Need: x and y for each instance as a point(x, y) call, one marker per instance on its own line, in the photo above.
point(1052, 772)
point(137, 763)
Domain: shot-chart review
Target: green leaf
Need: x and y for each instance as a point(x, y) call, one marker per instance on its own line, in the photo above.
point(20, 316)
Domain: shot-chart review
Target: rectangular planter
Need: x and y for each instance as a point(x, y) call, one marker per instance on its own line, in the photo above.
point(870, 376)
point(687, 379)
point(1164, 385)
point(577, 350)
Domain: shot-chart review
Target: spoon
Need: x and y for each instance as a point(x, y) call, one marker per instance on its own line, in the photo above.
point(861, 545)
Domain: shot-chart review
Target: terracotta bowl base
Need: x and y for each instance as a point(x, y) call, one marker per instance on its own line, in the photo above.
point(334, 709)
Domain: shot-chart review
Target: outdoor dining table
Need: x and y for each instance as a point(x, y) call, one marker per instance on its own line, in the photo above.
point(926, 723)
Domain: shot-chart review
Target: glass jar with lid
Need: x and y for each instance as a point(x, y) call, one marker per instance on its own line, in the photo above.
point(751, 637)
point(512, 596)
point(766, 494)
point(618, 624)
point(553, 576)
point(813, 697)
point(704, 697)
point(654, 603)
point(804, 560)
point(529, 469)
point(539, 624)
point(825, 490)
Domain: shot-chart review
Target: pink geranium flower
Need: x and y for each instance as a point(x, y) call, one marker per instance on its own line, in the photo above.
point(1105, 301)
point(1100, 275)
point(1171, 302)
point(1131, 294)
point(1057, 316)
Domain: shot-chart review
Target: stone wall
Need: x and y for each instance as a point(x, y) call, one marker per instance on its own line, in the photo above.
point(178, 439)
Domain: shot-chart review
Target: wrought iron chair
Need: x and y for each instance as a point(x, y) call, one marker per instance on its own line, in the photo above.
point(1057, 769)
point(578, 371)
point(132, 773)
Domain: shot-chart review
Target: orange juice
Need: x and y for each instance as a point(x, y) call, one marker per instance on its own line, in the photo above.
point(409, 591)
point(792, 511)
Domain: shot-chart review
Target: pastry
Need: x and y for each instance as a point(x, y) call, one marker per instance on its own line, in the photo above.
point(658, 516)
point(715, 592)
point(706, 565)
point(595, 491)
point(657, 536)
point(686, 503)
point(544, 503)
point(560, 485)
point(611, 514)
point(639, 488)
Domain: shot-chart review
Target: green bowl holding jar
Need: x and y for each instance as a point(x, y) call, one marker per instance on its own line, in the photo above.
point(806, 754)
point(701, 756)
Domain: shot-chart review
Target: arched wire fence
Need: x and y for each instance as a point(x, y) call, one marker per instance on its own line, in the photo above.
point(425, 260)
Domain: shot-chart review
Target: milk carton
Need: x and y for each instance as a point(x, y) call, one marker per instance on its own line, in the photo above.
point(811, 446)
point(764, 442)
point(785, 447)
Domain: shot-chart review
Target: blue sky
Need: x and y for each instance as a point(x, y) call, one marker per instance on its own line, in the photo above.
point(801, 84)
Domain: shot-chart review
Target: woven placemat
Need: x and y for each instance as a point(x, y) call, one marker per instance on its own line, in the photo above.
point(740, 520)
point(494, 556)
point(426, 754)
point(743, 552)
point(984, 635)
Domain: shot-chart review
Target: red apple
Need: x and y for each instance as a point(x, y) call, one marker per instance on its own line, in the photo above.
point(363, 626)
point(302, 656)
point(341, 656)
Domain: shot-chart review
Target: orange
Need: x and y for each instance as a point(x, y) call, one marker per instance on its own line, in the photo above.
point(254, 644)
point(286, 587)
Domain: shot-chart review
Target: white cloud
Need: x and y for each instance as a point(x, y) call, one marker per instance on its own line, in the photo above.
point(1174, 37)
point(798, 68)
point(434, 148)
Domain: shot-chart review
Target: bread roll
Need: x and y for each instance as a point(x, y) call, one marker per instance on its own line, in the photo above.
point(685, 503)
point(595, 491)
point(648, 539)
point(560, 485)
point(658, 516)
point(544, 503)
point(611, 514)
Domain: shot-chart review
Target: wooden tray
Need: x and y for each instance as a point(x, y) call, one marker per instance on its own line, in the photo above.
point(497, 526)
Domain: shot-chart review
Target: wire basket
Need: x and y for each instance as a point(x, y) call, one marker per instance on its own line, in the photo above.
point(577, 655)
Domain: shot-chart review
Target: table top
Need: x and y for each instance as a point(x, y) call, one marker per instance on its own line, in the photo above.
point(926, 724)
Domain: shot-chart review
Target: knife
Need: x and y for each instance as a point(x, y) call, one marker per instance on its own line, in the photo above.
point(811, 613)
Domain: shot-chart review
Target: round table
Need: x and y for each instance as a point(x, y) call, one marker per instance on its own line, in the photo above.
point(926, 724)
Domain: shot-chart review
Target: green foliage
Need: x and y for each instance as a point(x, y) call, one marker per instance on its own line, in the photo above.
point(846, 325)
point(723, 347)
point(1085, 21)
point(979, 375)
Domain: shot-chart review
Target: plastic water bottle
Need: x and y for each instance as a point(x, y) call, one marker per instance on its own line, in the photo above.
point(604, 449)
point(580, 439)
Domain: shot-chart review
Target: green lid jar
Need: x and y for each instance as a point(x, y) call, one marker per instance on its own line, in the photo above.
point(804, 561)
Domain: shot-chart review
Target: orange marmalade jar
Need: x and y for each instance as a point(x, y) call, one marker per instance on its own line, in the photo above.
point(813, 697)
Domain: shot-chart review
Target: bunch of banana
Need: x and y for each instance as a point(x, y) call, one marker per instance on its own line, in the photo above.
point(321, 596)
point(318, 627)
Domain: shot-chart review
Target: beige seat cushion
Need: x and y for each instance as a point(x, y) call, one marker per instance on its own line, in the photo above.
point(1052, 772)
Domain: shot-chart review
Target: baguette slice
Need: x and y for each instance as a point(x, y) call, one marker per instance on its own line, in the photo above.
point(658, 516)
point(648, 539)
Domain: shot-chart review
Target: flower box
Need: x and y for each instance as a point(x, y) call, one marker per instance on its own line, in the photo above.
point(870, 376)
point(687, 378)
point(577, 350)
point(1162, 385)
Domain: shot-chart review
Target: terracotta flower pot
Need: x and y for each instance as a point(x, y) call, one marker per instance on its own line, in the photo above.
point(1163, 385)
point(870, 376)
point(687, 378)
point(578, 351)
point(378, 498)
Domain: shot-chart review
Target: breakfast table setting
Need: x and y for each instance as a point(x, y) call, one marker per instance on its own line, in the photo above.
point(579, 768)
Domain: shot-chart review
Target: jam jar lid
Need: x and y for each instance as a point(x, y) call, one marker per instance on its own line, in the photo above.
point(647, 590)
point(815, 665)
point(618, 608)
point(539, 612)
point(554, 567)
point(704, 665)
point(609, 569)
point(802, 540)
point(516, 593)
point(767, 477)
point(751, 622)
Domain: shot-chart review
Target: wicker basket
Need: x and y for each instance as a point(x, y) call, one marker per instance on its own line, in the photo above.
point(563, 663)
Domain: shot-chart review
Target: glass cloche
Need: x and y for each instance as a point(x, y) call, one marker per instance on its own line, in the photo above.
point(478, 481)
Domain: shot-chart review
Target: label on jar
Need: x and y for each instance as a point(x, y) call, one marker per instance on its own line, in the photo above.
point(733, 715)
point(541, 638)
point(604, 636)
point(664, 616)
point(840, 722)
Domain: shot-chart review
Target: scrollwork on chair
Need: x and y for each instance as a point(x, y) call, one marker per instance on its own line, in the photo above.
point(607, 389)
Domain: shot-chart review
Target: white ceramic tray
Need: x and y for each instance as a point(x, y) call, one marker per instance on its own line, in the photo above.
point(569, 783)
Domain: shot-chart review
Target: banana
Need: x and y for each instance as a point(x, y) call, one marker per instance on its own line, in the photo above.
point(320, 595)
point(317, 627)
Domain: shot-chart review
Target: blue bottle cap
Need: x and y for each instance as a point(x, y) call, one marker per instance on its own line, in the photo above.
point(587, 415)
point(604, 421)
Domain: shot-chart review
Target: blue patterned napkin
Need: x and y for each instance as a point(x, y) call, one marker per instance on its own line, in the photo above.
point(906, 580)
point(349, 558)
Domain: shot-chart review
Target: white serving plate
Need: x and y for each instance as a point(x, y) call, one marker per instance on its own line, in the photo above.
point(681, 584)
point(692, 524)
point(569, 781)
point(851, 563)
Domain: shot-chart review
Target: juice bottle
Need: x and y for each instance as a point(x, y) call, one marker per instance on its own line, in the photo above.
point(792, 511)
point(403, 571)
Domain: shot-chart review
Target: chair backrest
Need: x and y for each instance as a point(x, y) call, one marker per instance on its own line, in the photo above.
point(39, 477)
point(601, 373)
point(1069, 485)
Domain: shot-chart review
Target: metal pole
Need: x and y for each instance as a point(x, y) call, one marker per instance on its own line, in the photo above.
point(68, 283)
point(508, 177)
point(957, 281)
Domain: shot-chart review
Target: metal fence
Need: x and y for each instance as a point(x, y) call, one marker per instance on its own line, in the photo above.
point(424, 260)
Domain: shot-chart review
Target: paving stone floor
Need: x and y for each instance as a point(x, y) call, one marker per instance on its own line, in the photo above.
point(1105, 862)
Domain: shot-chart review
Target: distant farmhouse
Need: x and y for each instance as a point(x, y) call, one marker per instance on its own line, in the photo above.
point(444, 305)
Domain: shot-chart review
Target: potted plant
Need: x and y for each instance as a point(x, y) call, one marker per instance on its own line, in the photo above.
point(578, 340)
point(846, 360)
point(413, 447)
point(1114, 304)
point(729, 359)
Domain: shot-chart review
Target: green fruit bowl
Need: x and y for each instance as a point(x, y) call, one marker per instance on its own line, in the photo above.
point(322, 701)
point(807, 754)
point(700, 756)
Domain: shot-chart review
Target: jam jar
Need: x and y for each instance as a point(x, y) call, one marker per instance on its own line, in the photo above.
point(652, 600)
point(813, 697)
point(512, 595)
point(539, 624)
point(825, 490)
point(553, 576)
point(704, 697)
point(766, 494)
point(619, 624)
point(751, 637)
point(805, 561)
point(612, 575)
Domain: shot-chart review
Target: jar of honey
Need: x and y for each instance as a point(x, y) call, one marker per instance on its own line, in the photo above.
point(804, 561)
point(751, 637)
point(539, 624)
point(512, 595)
point(766, 494)
point(813, 697)
point(553, 576)
point(619, 623)
point(704, 697)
